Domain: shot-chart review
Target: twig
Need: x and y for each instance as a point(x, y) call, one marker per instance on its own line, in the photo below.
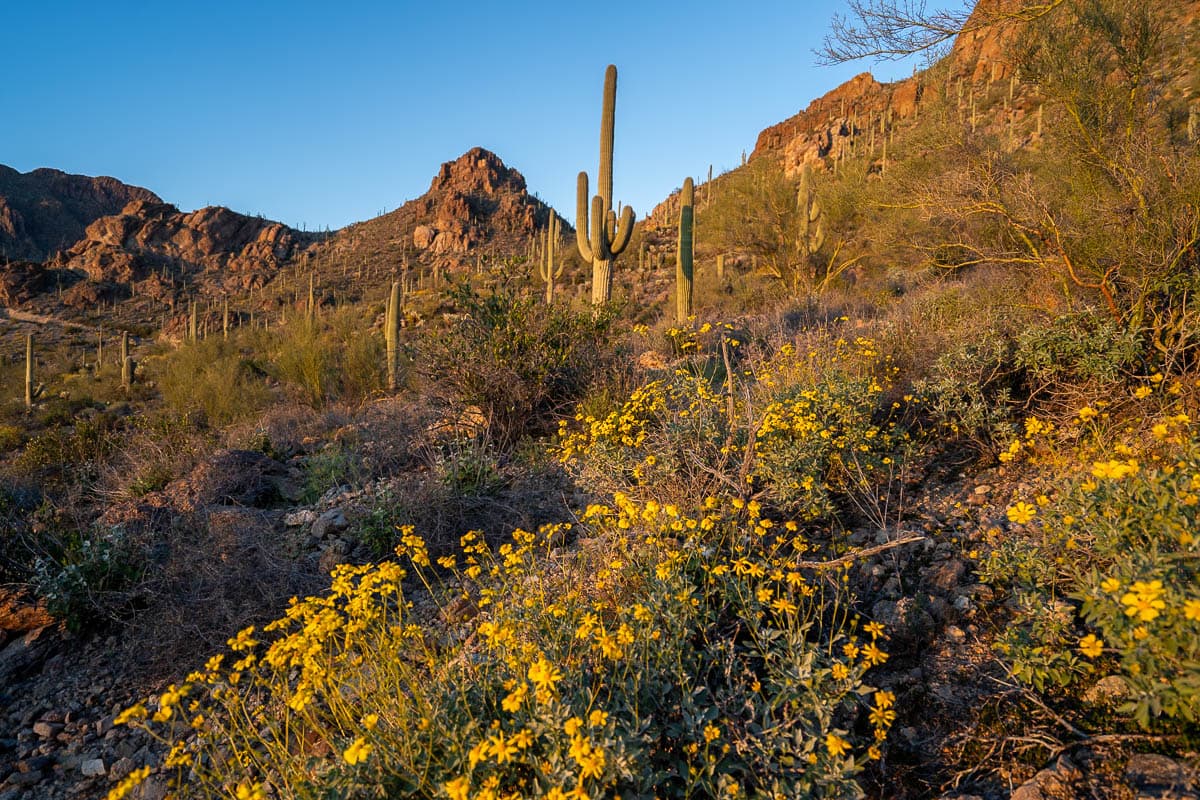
point(857, 554)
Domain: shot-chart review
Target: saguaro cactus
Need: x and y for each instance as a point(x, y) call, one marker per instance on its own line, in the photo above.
point(29, 393)
point(683, 255)
point(812, 217)
point(547, 269)
point(193, 326)
point(392, 334)
point(602, 237)
point(126, 362)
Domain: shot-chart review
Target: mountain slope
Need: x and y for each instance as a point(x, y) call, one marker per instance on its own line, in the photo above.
point(47, 210)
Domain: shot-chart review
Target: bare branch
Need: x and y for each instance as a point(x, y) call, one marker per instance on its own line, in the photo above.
point(887, 30)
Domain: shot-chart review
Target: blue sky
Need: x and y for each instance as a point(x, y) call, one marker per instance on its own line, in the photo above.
point(321, 114)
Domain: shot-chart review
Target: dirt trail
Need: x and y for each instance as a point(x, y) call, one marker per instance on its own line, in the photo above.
point(41, 319)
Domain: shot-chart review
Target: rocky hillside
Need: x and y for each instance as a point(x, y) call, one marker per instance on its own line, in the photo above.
point(477, 208)
point(978, 74)
point(152, 249)
point(44, 211)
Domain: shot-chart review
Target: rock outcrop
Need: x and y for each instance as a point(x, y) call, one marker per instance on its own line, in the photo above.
point(45, 210)
point(476, 207)
point(151, 246)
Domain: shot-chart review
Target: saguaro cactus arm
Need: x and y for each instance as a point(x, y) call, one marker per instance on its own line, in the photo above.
point(582, 240)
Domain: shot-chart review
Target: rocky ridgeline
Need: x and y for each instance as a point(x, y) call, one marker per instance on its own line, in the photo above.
point(152, 249)
point(46, 210)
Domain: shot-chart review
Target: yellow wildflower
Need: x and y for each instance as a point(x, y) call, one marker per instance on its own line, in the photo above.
point(836, 745)
point(1021, 513)
point(357, 752)
point(1091, 646)
point(1191, 610)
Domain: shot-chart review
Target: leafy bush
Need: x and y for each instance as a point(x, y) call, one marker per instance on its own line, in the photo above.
point(88, 581)
point(971, 388)
point(1106, 574)
point(215, 377)
point(519, 362)
point(680, 656)
point(1078, 348)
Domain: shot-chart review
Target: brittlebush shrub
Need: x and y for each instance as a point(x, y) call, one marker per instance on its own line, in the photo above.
point(520, 363)
point(795, 430)
point(1105, 572)
point(676, 655)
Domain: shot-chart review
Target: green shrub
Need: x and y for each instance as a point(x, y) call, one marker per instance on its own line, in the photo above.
point(87, 582)
point(337, 464)
point(970, 391)
point(1078, 348)
point(215, 377)
point(520, 363)
point(1106, 576)
point(11, 438)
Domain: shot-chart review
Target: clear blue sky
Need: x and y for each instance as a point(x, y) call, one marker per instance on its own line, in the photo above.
point(322, 114)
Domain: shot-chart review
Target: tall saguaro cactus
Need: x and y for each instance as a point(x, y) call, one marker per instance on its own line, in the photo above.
point(683, 255)
point(392, 334)
point(601, 237)
point(547, 269)
point(29, 393)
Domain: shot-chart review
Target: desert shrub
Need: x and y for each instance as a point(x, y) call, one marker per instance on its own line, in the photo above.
point(520, 363)
point(1105, 572)
point(1078, 348)
point(305, 361)
point(11, 438)
point(971, 390)
point(74, 452)
point(89, 580)
point(797, 430)
point(213, 376)
point(154, 450)
point(680, 656)
point(337, 464)
point(329, 358)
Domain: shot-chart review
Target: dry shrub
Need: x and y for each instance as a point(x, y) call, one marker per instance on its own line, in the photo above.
point(209, 574)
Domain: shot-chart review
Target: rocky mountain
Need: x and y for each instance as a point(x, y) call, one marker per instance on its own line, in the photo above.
point(46, 210)
point(978, 74)
point(151, 249)
point(476, 207)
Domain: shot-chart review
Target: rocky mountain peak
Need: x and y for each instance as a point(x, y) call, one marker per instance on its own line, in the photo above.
point(47, 210)
point(477, 172)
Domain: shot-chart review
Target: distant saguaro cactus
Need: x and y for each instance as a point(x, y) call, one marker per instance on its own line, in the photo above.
point(193, 326)
point(812, 217)
point(684, 253)
point(601, 237)
point(547, 269)
point(29, 391)
point(127, 364)
point(392, 334)
point(1193, 130)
